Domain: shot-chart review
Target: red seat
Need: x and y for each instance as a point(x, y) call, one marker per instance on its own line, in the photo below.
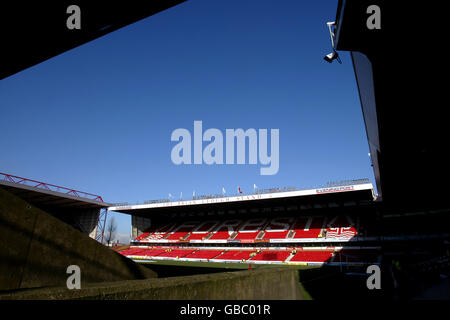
point(312, 256)
point(177, 235)
point(204, 254)
point(246, 235)
point(235, 255)
point(271, 255)
point(220, 235)
point(276, 234)
point(307, 227)
point(177, 253)
point(197, 236)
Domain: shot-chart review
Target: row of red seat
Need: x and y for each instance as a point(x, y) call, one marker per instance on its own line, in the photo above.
point(272, 256)
point(316, 256)
point(236, 229)
point(297, 255)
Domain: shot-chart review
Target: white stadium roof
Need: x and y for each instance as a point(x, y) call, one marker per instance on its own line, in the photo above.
point(241, 198)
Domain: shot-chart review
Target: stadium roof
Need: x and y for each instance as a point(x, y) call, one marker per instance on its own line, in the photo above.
point(44, 195)
point(35, 31)
point(398, 70)
point(321, 197)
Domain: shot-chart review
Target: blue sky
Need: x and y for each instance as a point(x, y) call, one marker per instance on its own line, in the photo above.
point(99, 117)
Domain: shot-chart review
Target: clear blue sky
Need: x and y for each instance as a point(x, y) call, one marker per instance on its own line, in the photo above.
point(99, 117)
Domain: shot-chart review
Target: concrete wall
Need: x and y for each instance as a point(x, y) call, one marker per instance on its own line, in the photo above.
point(269, 283)
point(82, 219)
point(88, 222)
point(139, 225)
point(36, 249)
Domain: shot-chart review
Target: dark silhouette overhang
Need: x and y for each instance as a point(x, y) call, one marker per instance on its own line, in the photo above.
point(401, 74)
point(34, 31)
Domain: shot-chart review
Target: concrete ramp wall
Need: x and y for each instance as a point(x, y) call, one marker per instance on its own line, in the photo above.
point(36, 249)
point(267, 284)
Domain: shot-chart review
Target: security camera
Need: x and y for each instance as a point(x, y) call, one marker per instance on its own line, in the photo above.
point(331, 57)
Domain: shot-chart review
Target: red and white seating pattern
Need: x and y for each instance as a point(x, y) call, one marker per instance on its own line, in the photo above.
point(341, 227)
point(250, 229)
point(299, 255)
point(280, 229)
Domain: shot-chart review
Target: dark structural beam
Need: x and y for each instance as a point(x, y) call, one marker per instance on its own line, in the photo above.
point(34, 31)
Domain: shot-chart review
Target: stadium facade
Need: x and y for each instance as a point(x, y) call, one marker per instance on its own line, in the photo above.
point(328, 225)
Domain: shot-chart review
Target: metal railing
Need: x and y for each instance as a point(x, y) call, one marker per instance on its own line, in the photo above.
point(49, 187)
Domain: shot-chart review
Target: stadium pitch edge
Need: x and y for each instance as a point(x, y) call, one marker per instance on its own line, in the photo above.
point(225, 265)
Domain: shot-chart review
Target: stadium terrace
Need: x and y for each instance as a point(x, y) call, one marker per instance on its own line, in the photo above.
point(299, 227)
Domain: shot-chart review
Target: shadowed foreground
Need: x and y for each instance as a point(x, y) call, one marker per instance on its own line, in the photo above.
point(36, 249)
point(269, 284)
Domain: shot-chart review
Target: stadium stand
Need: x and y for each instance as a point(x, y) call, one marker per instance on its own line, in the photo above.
point(272, 256)
point(225, 230)
point(294, 228)
point(155, 252)
point(159, 231)
point(278, 229)
point(133, 252)
point(202, 230)
point(318, 256)
point(143, 236)
point(307, 227)
point(237, 255)
point(250, 229)
point(176, 253)
point(341, 227)
point(204, 254)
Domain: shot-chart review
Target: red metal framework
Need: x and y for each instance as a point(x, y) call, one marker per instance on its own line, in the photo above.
point(47, 186)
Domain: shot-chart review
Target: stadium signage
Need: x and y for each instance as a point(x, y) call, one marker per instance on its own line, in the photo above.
point(259, 196)
point(213, 153)
point(335, 189)
point(215, 200)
